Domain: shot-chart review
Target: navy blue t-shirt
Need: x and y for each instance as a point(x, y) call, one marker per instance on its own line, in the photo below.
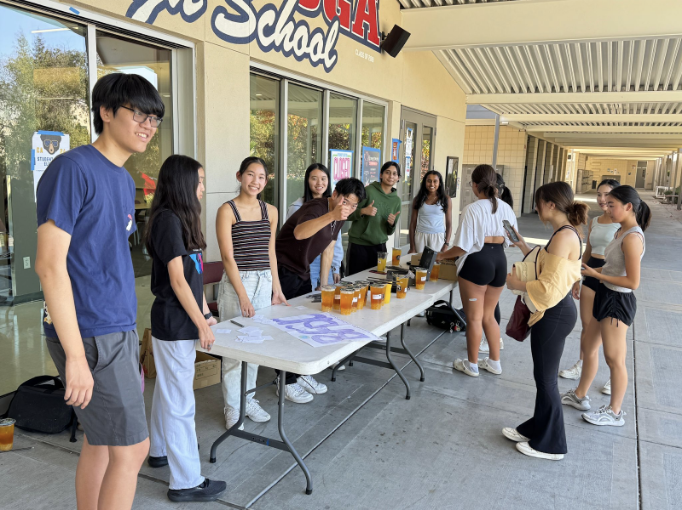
point(93, 200)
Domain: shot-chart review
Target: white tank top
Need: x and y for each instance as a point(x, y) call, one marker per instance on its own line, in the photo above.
point(601, 234)
point(431, 219)
point(615, 258)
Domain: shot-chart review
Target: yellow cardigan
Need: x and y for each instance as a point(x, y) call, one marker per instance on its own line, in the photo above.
point(556, 276)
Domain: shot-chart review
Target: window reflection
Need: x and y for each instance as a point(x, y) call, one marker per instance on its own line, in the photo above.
point(265, 129)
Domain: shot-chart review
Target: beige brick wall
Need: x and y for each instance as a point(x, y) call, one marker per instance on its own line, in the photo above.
point(511, 152)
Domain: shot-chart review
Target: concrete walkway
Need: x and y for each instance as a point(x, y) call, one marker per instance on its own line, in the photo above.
point(369, 448)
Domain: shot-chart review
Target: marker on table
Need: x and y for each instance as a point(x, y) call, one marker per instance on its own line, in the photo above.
point(235, 322)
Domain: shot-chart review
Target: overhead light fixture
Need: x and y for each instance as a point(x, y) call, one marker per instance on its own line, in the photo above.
point(50, 30)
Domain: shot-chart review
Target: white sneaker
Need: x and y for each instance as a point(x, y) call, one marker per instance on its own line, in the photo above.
point(461, 366)
point(571, 399)
point(485, 348)
point(525, 448)
point(294, 393)
point(232, 417)
point(309, 384)
point(606, 390)
point(605, 416)
point(256, 412)
point(513, 435)
point(485, 365)
point(573, 372)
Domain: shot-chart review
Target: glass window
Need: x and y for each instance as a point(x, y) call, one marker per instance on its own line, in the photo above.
point(119, 55)
point(265, 129)
point(372, 138)
point(304, 140)
point(427, 138)
point(342, 128)
point(44, 110)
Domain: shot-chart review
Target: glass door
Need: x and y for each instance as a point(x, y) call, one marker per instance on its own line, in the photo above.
point(418, 135)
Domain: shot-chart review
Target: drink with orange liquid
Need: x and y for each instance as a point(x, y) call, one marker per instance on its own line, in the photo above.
point(419, 278)
point(6, 434)
point(364, 286)
point(347, 294)
point(387, 293)
point(356, 298)
point(401, 287)
point(397, 252)
point(337, 297)
point(435, 271)
point(376, 290)
point(328, 298)
point(381, 261)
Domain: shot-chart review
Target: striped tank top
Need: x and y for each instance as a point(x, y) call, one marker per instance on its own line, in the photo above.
point(251, 240)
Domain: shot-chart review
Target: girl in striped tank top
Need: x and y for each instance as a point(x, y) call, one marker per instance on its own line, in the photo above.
point(246, 228)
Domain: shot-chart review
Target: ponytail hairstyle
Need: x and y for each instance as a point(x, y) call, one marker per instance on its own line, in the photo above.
point(628, 195)
point(485, 178)
point(423, 192)
point(176, 191)
point(561, 195)
point(250, 161)
point(503, 192)
point(612, 183)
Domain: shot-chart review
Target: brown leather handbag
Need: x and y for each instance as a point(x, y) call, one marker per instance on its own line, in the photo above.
point(517, 327)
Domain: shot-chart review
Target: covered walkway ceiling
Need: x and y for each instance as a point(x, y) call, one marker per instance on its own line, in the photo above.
point(589, 74)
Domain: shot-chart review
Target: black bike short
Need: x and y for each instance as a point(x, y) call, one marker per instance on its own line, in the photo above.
point(588, 281)
point(486, 267)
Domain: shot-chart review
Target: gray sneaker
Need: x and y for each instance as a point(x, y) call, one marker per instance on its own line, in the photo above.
point(571, 399)
point(605, 416)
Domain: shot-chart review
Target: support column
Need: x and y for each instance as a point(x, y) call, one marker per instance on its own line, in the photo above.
point(496, 141)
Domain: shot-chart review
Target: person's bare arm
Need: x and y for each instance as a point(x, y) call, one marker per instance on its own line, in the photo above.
point(413, 228)
point(326, 263)
point(588, 246)
point(309, 228)
point(223, 227)
point(632, 249)
point(184, 294)
point(277, 294)
point(53, 247)
point(448, 223)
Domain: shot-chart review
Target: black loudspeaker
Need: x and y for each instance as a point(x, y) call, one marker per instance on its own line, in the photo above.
point(394, 41)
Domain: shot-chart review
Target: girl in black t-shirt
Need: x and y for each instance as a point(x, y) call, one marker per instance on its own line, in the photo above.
point(180, 318)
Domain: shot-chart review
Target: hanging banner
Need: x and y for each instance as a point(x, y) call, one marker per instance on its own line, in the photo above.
point(341, 165)
point(395, 150)
point(371, 163)
point(45, 146)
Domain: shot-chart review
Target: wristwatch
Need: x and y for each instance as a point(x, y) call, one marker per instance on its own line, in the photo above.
point(208, 315)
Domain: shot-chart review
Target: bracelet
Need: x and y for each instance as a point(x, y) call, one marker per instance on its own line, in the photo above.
point(208, 316)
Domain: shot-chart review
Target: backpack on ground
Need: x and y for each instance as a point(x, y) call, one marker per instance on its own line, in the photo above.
point(39, 406)
point(442, 315)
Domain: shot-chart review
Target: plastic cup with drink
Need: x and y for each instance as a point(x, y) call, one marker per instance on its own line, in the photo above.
point(376, 290)
point(419, 278)
point(435, 271)
point(397, 252)
point(381, 261)
point(327, 298)
point(6, 434)
point(387, 293)
point(347, 295)
point(401, 287)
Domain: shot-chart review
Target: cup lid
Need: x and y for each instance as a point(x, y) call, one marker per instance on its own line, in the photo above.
point(6, 422)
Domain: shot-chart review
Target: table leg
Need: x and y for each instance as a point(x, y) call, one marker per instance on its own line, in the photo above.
point(282, 434)
point(394, 366)
point(284, 445)
point(409, 353)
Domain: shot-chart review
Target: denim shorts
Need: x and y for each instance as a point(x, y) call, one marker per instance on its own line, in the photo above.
point(116, 415)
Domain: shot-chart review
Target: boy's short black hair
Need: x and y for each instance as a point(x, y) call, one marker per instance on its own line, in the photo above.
point(351, 186)
point(388, 165)
point(117, 89)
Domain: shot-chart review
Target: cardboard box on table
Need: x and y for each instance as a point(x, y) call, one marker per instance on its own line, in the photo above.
point(448, 269)
point(207, 368)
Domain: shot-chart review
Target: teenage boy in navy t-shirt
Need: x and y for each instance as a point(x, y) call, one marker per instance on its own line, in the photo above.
point(86, 210)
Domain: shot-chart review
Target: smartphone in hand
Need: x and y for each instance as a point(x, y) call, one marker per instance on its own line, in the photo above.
point(510, 231)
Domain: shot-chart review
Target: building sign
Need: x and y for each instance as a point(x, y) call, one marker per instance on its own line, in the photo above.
point(341, 165)
point(371, 162)
point(45, 146)
point(280, 28)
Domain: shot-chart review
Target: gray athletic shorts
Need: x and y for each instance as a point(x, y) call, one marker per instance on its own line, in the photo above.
point(115, 416)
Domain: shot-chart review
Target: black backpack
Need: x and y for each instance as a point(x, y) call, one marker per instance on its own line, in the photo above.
point(442, 315)
point(38, 406)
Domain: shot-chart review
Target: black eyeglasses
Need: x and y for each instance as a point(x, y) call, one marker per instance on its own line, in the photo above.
point(141, 118)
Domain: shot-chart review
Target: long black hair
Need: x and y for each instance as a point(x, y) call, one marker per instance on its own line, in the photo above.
point(440, 192)
point(176, 191)
point(307, 192)
point(628, 195)
point(613, 183)
point(503, 192)
point(485, 178)
point(250, 161)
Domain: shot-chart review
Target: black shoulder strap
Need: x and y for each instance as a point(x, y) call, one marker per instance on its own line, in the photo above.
point(580, 240)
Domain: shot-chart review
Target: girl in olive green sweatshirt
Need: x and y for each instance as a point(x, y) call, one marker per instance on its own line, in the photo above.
point(374, 220)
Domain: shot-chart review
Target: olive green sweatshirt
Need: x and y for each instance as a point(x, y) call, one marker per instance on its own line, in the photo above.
point(373, 230)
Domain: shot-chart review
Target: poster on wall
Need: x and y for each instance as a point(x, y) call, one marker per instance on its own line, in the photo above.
point(341, 165)
point(395, 150)
point(451, 175)
point(371, 163)
point(409, 141)
point(45, 146)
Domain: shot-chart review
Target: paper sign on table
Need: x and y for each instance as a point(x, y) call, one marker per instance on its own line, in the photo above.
point(320, 329)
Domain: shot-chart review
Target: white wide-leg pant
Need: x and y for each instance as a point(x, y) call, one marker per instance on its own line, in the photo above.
point(172, 431)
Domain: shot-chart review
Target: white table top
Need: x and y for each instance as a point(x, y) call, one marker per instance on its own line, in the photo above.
point(287, 353)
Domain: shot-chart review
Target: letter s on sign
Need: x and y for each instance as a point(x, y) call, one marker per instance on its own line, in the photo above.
point(237, 28)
